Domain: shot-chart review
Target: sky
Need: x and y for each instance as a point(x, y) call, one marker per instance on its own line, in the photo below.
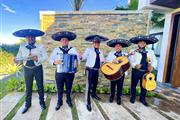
point(23, 14)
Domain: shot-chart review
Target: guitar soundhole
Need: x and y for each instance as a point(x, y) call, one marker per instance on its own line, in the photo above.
point(120, 61)
point(150, 78)
point(109, 67)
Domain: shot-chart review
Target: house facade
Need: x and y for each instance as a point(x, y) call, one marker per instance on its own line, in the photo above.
point(169, 59)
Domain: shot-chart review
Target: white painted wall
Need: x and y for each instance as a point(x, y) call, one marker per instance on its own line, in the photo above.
point(145, 4)
point(164, 46)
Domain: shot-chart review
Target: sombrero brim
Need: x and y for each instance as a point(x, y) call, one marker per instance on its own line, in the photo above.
point(147, 39)
point(92, 38)
point(28, 32)
point(64, 34)
point(123, 42)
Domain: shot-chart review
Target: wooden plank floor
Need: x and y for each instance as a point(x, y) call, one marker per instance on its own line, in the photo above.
point(64, 113)
point(8, 103)
point(101, 110)
point(34, 111)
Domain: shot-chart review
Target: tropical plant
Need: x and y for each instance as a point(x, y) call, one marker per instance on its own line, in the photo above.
point(76, 4)
point(7, 64)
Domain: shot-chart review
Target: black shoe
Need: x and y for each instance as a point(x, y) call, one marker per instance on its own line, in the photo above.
point(111, 99)
point(132, 100)
point(144, 102)
point(25, 109)
point(96, 97)
point(88, 106)
point(119, 101)
point(58, 106)
point(69, 104)
point(43, 106)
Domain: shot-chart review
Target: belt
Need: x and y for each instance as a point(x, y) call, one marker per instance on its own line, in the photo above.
point(31, 67)
point(140, 70)
point(92, 68)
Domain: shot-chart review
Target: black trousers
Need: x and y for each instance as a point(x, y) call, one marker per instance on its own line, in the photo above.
point(135, 77)
point(61, 79)
point(29, 75)
point(119, 84)
point(92, 81)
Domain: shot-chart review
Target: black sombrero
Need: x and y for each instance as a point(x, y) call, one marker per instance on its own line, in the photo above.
point(92, 38)
point(148, 39)
point(123, 42)
point(28, 32)
point(64, 34)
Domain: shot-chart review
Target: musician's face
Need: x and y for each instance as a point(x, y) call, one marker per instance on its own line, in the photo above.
point(30, 39)
point(118, 47)
point(142, 44)
point(96, 44)
point(64, 41)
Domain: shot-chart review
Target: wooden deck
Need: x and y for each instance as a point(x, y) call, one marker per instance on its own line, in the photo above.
point(101, 110)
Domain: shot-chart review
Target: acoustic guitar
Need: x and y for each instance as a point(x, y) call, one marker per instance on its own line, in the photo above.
point(114, 71)
point(148, 81)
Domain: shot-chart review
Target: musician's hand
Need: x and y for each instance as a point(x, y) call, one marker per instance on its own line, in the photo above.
point(80, 56)
point(15, 60)
point(150, 68)
point(138, 66)
point(115, 61)
point(132, 53)
point(56, 62)
point(35, 58)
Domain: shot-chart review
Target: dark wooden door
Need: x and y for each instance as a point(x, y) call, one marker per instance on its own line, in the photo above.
point(176, 57)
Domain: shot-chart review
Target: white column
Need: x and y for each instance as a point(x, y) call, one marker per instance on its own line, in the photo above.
point(164, 45)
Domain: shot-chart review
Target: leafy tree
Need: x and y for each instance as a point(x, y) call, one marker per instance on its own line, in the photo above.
point(132, 6)
point(157, 19)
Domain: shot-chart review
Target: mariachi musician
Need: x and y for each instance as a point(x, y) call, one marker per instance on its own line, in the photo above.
point(32, 54)
point(61, 76)
point(94, 57)
point(118, 45)
point(140, 64)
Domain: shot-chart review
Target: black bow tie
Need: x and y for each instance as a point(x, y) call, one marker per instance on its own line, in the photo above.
point(117, 54)
point(97, 50)
point(30, 46)
point(143, 51)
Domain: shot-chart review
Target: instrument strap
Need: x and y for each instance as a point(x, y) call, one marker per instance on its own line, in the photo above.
point(65, 51)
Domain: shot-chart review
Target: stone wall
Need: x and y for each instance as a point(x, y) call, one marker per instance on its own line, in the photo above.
point(112, 24)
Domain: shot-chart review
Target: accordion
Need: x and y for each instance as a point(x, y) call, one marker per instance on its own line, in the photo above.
point(69, 63)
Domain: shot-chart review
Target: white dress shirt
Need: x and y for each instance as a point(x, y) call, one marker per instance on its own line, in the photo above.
point(136, 58)
point(111, 57)
point(39, 51)
point(55, 55)
point(90, 56)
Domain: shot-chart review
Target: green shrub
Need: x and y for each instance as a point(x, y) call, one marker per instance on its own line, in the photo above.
point(18, 84)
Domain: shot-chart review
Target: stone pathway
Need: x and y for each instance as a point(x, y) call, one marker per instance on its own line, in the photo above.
point(101, 110)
